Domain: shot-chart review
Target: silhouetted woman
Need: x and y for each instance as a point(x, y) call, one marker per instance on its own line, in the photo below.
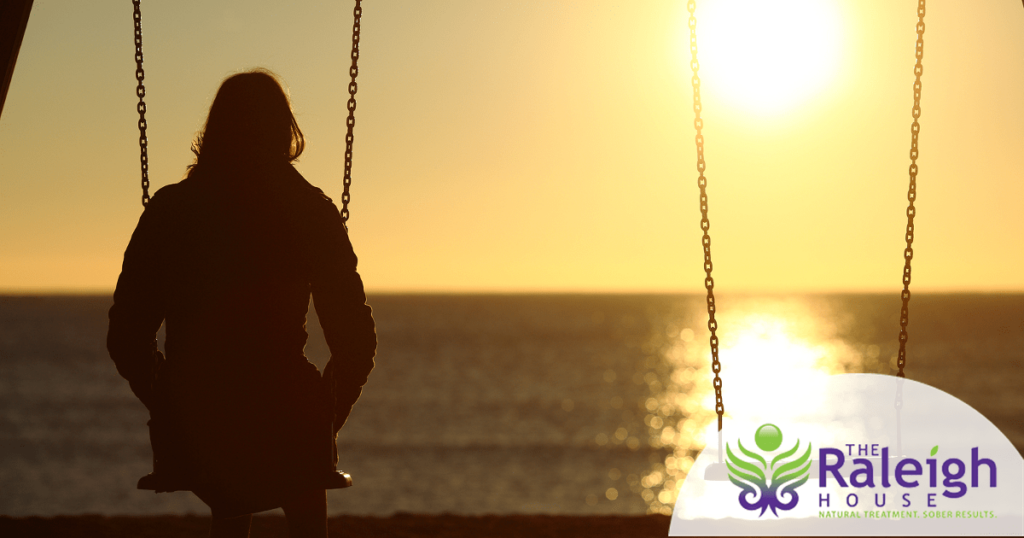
point(228, 258)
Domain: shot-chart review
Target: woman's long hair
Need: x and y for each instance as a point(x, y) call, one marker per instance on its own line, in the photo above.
point(250, 123)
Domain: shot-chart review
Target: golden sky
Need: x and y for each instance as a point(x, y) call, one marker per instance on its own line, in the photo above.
point(547, 145)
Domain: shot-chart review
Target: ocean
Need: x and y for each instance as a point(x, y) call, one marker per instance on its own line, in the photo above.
point(499, 404)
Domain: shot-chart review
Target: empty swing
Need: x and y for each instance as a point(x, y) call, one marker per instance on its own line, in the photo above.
point(717, 471)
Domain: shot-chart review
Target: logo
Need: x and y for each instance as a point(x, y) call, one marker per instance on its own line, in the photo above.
point(768, 485)
point(927, 466)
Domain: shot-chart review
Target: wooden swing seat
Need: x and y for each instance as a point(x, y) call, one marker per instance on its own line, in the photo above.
point(160, 483)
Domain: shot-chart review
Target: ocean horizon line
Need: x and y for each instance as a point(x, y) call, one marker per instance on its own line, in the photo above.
point(6, 293)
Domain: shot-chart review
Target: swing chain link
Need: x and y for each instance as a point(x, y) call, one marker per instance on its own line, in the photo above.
point(915, 129)
point(140, 90)
point(350, 123)
point(705, 224)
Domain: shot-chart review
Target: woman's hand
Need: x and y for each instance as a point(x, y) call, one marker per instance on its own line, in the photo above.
point(145, 387)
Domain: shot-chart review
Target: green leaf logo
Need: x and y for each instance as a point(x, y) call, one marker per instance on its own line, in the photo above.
point(768, 486)
point(935, 449)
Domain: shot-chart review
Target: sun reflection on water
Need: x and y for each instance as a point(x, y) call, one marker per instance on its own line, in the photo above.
point(789, 344)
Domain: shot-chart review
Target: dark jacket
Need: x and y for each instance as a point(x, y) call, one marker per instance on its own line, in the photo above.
point(228, 260)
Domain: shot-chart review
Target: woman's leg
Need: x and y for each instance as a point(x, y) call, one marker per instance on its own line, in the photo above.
point(231, 527)
point(307, 515)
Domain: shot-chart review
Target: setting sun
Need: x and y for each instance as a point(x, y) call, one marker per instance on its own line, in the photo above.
point(548, 145)
point(766, 57)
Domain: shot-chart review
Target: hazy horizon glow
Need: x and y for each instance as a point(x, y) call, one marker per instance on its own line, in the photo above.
point(547, 146)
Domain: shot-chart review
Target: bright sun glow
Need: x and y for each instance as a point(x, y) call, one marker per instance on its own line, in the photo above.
point(782, 345)
point(766, 57)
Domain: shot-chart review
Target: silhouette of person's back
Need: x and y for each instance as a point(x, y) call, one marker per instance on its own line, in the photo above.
point(228, 257)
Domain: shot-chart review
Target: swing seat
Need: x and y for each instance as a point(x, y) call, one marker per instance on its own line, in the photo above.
point(169, 475)
point(716, 472)
point(338, 480)
point(160, 482)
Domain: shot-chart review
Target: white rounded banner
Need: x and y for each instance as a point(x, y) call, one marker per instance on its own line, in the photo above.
point(867, 455)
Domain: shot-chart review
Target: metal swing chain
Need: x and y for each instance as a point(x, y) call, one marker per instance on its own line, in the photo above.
point(915, 129)
point(705, 224)
point(350, 123)
point(140, 90)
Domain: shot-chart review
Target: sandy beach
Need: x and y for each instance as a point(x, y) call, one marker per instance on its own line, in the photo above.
point(398, 526)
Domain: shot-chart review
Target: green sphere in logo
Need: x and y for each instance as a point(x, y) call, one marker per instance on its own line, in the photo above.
point(768, 437)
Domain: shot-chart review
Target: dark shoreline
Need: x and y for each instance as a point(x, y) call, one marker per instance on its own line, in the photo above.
point(397, 526)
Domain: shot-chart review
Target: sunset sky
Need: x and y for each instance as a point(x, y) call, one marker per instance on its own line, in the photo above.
point(547, 145)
